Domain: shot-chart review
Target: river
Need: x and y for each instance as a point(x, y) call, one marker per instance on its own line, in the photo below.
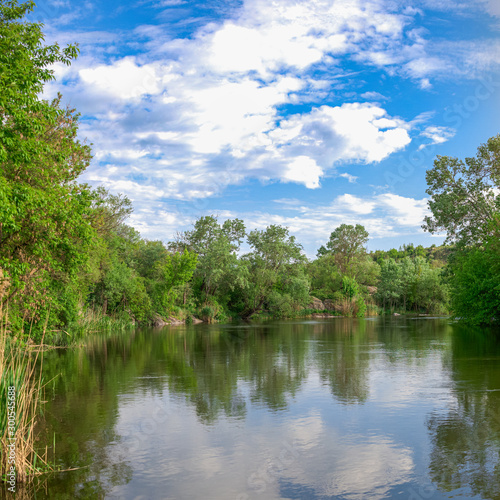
point(376, 408)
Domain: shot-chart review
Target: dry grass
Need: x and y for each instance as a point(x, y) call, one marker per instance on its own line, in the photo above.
point(17, 369)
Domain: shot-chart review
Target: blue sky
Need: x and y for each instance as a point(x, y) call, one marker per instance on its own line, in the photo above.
point(308, 114)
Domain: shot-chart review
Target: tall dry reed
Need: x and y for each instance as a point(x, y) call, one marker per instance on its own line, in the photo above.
point(20, 390)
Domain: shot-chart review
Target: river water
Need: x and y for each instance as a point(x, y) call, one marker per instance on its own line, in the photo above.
point(404, 408)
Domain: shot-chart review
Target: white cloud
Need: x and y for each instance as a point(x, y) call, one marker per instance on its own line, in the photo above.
point(305, 171)
point(241, 49)
point(354, 204)
point(374, 96)
point(234, 114)
point(437, 135)
point(227, 129)
point(351, 178)
point(188, 117)
point(267, 36)
point(425, 66)
point(352, 131)
point(125, 79)
point(493, 7)
point(404, 211)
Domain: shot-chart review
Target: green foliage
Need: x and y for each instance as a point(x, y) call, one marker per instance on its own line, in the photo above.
point(390, 285)
point(475, 284)
point(171, 273)
point(347, 245)
point(465, 203)
point(276, 267)
point(436, 256)
point(411, 284)
point(325, 277)
point(218, 271)
point(350, 288)
point(360, 307)
point(109, 211)
point(367, 271)
point(44, 214)
point(463, 194)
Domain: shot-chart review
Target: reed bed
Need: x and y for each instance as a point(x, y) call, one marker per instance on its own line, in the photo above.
point(20, 391)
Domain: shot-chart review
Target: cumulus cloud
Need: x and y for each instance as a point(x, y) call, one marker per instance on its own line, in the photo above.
point(404, 211)
point(265, 94)
point(351, 203)
point(192, 130)
point(304, 170)
point(125, 79)
point(209, 106)
point(352, 131)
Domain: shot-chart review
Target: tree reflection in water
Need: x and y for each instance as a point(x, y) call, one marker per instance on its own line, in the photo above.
point(466, 439)
point(227, 374)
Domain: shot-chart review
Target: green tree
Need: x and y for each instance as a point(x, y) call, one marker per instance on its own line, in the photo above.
point(465, 203)
point(475, 284)
point(172, 273)
point(109, 211)
point(45, 227)
point(325, 277)
point(347, 245)
point(218, 272)
point(408, 277)
point(464, 196)
point(390, 284)
point(276, 268)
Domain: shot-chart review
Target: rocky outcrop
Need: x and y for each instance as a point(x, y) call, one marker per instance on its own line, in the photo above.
point(316, 304)
point(372, 289)
point(160, 321)
point(323, 315)
point(330, 305)
point(175, 321)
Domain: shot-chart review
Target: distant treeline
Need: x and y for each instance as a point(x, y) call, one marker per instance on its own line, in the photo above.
point(202, 274)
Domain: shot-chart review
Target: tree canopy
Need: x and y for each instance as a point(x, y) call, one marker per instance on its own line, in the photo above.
point(464, 195)
point(346, 244)
point(465, 202)
point(45, 224)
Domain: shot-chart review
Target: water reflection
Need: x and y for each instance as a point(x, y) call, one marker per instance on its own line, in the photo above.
point(466, 438)
point(344, 364)
point(301, 409)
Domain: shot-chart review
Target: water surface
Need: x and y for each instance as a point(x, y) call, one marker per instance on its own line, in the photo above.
point(405, 408)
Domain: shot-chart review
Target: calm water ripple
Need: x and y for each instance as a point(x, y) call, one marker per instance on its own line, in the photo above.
point(336, 409)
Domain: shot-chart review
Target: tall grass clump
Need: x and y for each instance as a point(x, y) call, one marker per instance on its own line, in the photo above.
point(19, 383)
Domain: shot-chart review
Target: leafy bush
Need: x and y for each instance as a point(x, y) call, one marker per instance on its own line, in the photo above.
point(475, 292)
point(350, 287)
